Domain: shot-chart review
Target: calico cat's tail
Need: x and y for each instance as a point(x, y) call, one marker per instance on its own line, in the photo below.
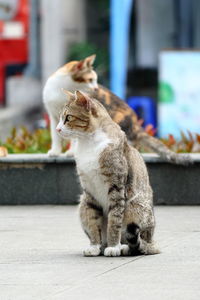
point(144, 139)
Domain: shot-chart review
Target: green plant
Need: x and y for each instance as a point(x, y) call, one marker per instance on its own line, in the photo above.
point(39, 141)
point(24, 141)
point(189, 143)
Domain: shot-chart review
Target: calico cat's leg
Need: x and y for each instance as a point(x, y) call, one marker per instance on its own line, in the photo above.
point(140, 225)
point(56, 145)
point(70, 152)
point(115, 220)
point(91, 215)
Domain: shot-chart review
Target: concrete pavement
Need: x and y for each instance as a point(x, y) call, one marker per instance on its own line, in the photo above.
point(41, 258)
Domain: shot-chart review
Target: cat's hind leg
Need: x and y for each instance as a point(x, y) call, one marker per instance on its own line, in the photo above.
point(91, 215)
point(139, 222)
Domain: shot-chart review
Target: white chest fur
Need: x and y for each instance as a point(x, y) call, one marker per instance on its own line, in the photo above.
point(52, 91)
point(87, 153)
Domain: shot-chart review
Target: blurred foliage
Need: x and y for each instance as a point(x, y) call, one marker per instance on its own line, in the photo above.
point(189, 143)
point(24, 141)
point(148, 128)
point(39, 141)
point(79, 51)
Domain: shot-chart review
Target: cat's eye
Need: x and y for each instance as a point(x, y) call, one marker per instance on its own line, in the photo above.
point(68, 118)
point(90, 80)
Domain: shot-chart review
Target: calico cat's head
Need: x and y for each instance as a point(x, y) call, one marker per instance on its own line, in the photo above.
point(81, 116)
point(75, 75)
point(81, 72)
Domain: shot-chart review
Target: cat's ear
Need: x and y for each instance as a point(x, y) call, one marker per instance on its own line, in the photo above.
point(83, 100)
point(84, 65)
point(79, 66)
point(89, 61)
point(67, 93)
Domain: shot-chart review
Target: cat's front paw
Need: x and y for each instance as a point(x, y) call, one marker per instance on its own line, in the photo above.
point(69, 153)
point(93, 250)
point(54, 152)
point(113, 251)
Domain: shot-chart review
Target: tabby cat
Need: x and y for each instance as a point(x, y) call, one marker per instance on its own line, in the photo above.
point(79, 75)
point(116, 209)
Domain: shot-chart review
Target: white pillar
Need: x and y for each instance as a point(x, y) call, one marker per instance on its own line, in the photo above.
point(155, 29)
point(63, 23)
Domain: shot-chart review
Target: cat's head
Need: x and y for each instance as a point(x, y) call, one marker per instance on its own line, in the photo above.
point(81, 116)
point(75, 75)
point(82, 72)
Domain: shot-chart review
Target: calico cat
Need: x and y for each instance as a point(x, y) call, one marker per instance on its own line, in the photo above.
point(116, 208)
point(79, 75)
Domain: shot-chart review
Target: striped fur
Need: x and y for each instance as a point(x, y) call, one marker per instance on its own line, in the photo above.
point(116, 208)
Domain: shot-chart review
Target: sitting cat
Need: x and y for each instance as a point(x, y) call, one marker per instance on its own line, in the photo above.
point(79, 75)
point(116, 208)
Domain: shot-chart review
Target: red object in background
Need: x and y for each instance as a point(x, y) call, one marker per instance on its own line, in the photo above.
point(14, 50)
point(47, 120)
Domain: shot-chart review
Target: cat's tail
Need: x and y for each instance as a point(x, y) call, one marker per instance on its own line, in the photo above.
point(136, 244)
point(148, 248)
point(144, 139)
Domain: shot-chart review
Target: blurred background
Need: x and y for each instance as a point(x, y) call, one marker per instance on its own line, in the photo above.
point(147, 53)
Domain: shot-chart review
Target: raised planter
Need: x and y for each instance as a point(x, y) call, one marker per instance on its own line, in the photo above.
point(38, 179)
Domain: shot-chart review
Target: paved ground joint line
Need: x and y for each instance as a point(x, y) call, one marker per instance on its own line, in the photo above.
point(117, 267)
point(96, 276)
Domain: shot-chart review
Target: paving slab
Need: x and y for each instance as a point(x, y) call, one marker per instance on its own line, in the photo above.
point(41, 258)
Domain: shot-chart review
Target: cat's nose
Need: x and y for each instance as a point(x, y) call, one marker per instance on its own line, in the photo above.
point(58, 129)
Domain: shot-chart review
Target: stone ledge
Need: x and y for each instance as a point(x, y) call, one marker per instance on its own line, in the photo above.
point(44, 158)
point(35, 158)
point(39, 179)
